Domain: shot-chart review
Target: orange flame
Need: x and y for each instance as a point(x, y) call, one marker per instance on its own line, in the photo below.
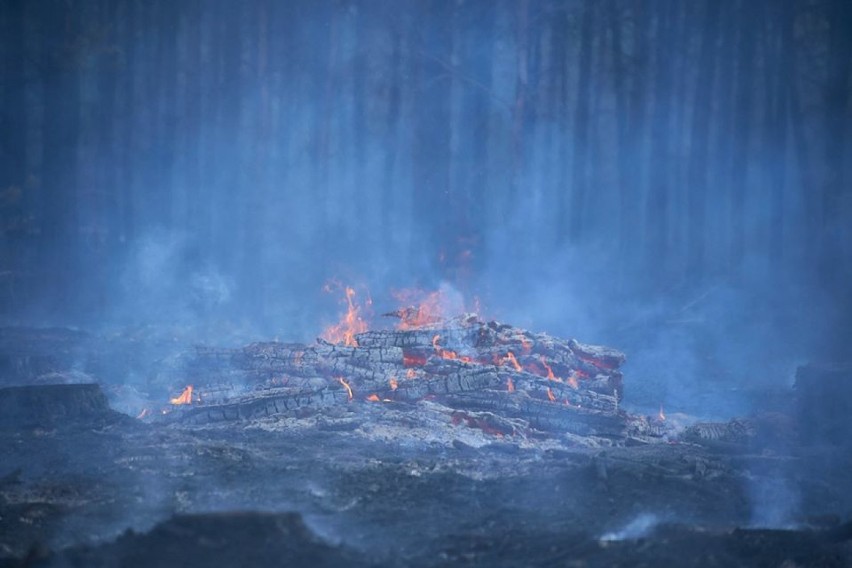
point(549, 369)
point(184, 398)
point(550, 395)
point(430, 308)
point(446, 353)
point(393, 384)
point(410, 374)
point(510, 385)
point(512, 360)
point(349, 325)
point(572, 382)
point(374, 398)
point(346, 386)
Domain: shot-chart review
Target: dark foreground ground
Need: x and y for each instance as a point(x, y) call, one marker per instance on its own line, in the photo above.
point(104, 489)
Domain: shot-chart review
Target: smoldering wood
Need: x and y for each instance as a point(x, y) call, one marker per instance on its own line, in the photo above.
point(463, 363)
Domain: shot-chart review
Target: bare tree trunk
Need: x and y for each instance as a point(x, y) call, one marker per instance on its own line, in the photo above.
point(193, 104)
point(59, 227)
point(519, 107)
point(582, 121)
point(658, 207)
point(833, 265)
point(14, 172)
point(777, 105)
point(13, 148)
point(702, 109)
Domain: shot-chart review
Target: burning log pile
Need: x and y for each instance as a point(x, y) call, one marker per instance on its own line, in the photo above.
point(486, 374)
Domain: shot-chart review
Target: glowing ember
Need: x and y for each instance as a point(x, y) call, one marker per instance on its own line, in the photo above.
point(661, 415)
point(184, 398)
point(512, 360)
point(550, 396)
point(411, 360)
point(374, 398)
point(346, 386)
point(410, 374)
point(350, 324)
point(510, 385)
point(549, 369)
point(446, 353)
point(572, 382)
point(393, 383)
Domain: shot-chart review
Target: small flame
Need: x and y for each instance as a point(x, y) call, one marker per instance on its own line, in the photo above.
point(661, 415)
point(346, 386)
point(393, 383)
point(571, 381)
point(510, 385)
point(550, 396)
point(512, 360)
point(446, 353)
point(549, 370)
point(145, 412)
point(349, 325)
point(374, 398)
point(184, 398)
point(430, 308)
point(410, 374)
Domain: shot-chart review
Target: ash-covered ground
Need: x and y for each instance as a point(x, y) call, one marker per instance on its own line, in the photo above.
point(403, 484)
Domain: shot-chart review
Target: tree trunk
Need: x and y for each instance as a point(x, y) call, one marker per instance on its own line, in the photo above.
point(582, 119)
point(702, 108)
point(658, 207)
point(61, 133)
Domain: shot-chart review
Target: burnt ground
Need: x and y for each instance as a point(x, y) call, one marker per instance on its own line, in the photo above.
point(396, 484)
point(104, 489)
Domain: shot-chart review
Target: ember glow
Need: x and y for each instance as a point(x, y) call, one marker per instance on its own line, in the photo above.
point(550, 396)
point(411, 360)
point(510, 385)
point(184, 398)
point(346, 386)
point(393, 383)
point(350, 324)
point(571, 381)
point(374, 398)
point(549, 369)
point(513, 361)
point(446, 353)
